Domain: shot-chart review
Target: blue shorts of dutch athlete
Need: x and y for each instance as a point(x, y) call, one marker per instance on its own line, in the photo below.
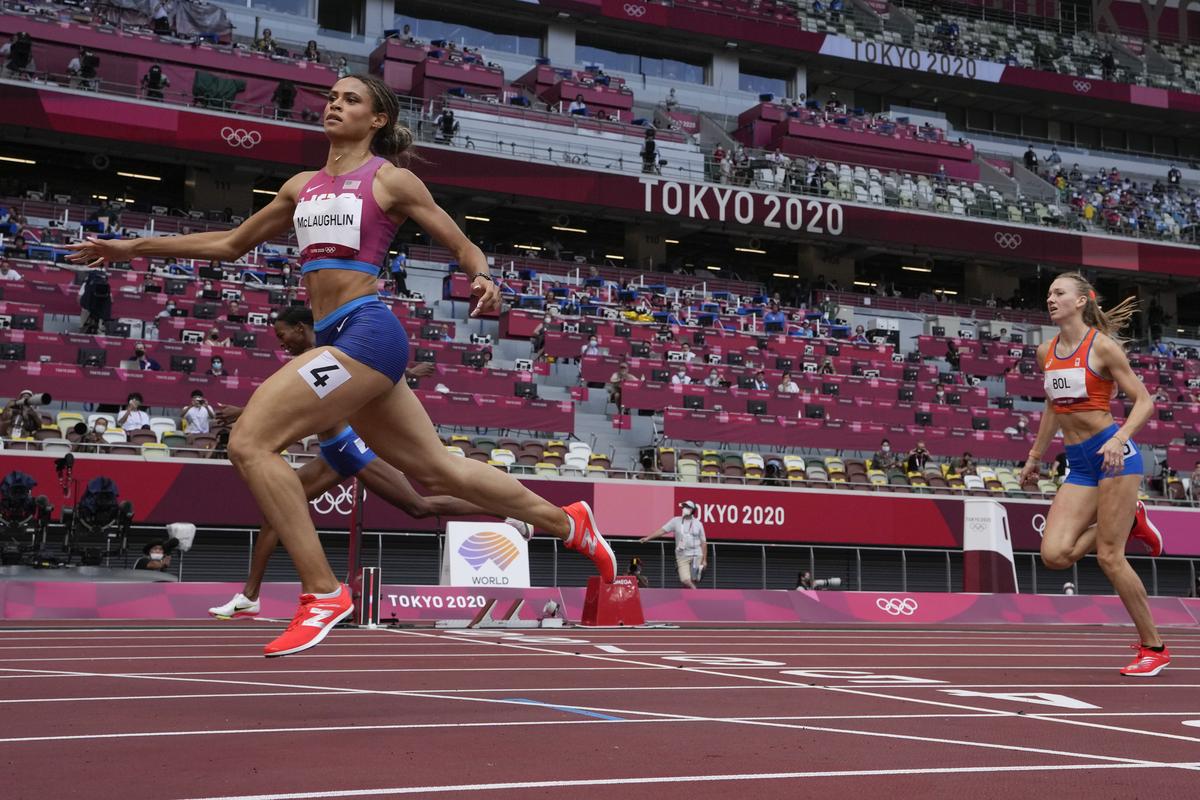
point(1085, 465)
point(347, 453)
point(366, 330)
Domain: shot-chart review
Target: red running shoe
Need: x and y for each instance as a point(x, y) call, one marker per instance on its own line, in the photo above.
point(587, 540)
point(1148, 663)
point(313, 621)
point(1144, 531)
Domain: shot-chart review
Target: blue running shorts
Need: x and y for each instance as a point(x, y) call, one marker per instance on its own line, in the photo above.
point(366, 330)
point(1086, 466)
point(346, 453)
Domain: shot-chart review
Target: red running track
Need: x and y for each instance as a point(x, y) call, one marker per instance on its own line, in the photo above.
point(194, 711)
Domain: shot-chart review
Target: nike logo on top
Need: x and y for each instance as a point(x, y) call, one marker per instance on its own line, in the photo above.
point(340, 325)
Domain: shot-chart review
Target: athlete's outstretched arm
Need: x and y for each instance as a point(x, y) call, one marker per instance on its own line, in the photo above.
point(316, 477)
point(273, 220)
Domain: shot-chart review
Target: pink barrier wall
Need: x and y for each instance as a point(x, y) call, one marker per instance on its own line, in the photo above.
point(30, 600)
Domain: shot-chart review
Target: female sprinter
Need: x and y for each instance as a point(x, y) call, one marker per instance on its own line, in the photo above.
point(1096, 509)
point(345, 216)
point(343, 455)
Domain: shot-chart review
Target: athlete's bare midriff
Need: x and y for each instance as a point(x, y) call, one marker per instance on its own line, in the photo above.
point(1083, 425)
point(330, 288)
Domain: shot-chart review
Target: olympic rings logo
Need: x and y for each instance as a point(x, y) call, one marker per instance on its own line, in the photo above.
point(1039, 523)
point(1083, 86)
point(634, 10)
point(240, 137)
point(336, 501)
point(897, 606)
point(1009, 241)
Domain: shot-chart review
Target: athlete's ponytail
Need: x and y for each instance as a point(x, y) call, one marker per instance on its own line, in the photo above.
point(1109, 322)
point(394, 140)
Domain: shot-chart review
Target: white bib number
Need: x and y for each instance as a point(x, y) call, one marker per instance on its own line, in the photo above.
point(331, 220)
point(324, 374)
point(1066, 386)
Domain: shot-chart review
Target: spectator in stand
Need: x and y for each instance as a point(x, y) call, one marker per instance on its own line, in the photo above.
point(154, 81)
point(160, 19)
point(884, 459)
point(1075, 175)
point(1174, 176)
point(787, 385)
point(671, 102)
point(216, 340)
point(718, 158)
point(144, 361)
point(343, 68)
point(965, 465)
point(691, 546)
point(235, 313)
point(399, 269)
point(614, 383)
point(20, 418)
point(311, 53)
point(82, 70)
point(953, 357)
point(635, 571)
point(1031, 160)
point(775, 318)
point(7, 273)
point(835, 10)
point(827, 366)
point(266, 43)
point(18, 56)
point(197, 415)
point(445, 127)
point(649, 152)
point(714, 378)
point(917, 458)
point(93, 436)
point(1054, 159)
point(860, 335)
point(681, 377)
point(133, 418)
point(155, 555)
point(592, 348)
point(216, 367)
point(1194, 482)
point(578, 107)
point(760, 382)
point(688, 355)
point(407, 35)
point(1108, 66)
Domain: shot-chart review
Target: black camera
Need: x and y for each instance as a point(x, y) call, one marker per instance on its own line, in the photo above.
point(42, 399)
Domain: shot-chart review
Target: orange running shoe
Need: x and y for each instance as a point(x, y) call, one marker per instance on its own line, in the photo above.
point(1144, 531)
point(1148, 662)
point(313, 621)
point(587, 540)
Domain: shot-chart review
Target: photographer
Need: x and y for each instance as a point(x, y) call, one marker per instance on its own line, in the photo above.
point(691, 546)
point(89, 440)
point(635, 570)
point(20, 418)
point(917, 458)
point(199, 414)
point(157, 554)
point(95, 302)
point(82, 70)
point(133, 418)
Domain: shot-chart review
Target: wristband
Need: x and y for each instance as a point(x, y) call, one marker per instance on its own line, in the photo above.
point(482, 275)
point(1034, 456)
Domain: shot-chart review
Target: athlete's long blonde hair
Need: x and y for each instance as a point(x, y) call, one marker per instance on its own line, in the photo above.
point(1110, 322)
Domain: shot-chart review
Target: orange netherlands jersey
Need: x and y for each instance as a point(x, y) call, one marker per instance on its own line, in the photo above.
point(1071, 384)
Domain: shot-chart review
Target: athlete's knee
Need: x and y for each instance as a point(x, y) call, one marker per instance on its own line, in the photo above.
point(1057, 559)
point(1111, 559)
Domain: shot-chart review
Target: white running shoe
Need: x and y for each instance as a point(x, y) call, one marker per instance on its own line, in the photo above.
point(239, 606)
point(523, 528)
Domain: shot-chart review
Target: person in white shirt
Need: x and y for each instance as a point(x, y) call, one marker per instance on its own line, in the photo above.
point(691, 546)
point(688, 355)
point(681, 378)
point(199, 415)
point(133, 418)
point(787, 385)
point(592, 348)
point(7, 273)
point(577, 106)
point(713, 379)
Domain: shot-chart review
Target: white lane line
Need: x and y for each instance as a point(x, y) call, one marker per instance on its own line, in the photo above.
point(392, 643)
point(750, 776)
point(638, 713)
point(158, 697)
point(838, 689)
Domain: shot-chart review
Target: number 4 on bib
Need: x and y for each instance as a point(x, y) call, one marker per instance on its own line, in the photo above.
point(323, 374)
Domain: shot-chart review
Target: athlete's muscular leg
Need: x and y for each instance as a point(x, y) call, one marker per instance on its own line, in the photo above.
point(316, 477)
point(390, 484)
point(1070, 531)
point(1118, 500)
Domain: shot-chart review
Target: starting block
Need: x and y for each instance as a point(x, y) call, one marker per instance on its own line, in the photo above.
point(616, 603)
point(510, 619)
